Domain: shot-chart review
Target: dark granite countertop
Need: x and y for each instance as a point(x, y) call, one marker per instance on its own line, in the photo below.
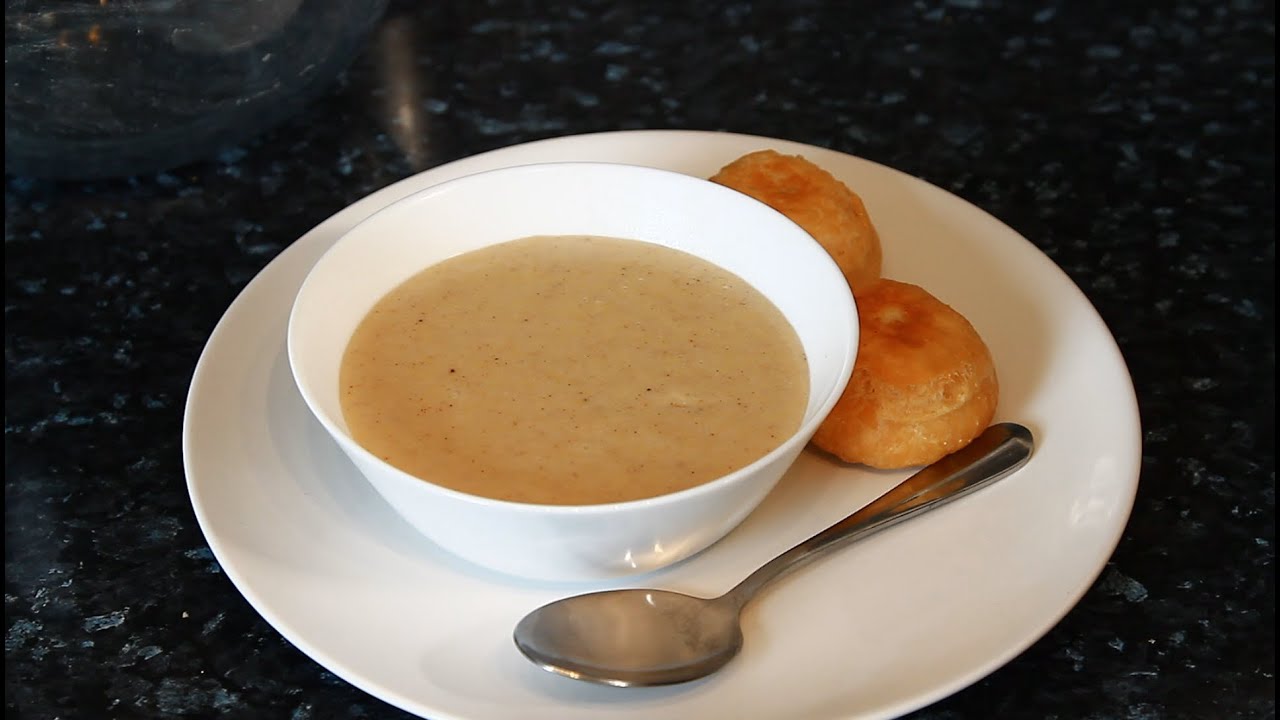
point(1133, 144)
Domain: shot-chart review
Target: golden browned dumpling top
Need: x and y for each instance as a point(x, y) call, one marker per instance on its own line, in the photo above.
point(923, 386)
point(816, 201)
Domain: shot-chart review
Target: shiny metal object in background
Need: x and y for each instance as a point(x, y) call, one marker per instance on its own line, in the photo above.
point(112, 88)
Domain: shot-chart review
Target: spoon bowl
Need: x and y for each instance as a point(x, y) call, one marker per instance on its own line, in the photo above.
point(608, 637)
point(638, 637)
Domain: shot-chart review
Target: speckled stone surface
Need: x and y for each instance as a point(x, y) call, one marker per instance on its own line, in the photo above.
point(1134, 145)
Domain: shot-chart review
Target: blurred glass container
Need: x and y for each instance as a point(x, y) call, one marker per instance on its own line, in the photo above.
point(110, 88)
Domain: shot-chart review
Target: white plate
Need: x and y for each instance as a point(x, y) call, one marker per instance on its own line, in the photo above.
point(882, 628)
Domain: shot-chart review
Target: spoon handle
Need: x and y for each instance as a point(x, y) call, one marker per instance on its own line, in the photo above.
point(998, 451)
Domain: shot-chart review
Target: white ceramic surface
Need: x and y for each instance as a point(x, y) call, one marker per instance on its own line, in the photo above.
point(887, 626)
point(574, 543)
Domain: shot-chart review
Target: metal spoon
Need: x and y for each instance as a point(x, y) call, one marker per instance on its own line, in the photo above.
point(657, 637)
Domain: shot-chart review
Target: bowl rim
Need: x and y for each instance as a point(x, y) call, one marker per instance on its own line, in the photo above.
point(806, 429)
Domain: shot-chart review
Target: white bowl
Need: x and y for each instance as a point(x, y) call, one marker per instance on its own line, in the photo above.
point(584, 542)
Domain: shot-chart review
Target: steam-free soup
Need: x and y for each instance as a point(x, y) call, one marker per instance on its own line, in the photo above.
point(573, 370)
